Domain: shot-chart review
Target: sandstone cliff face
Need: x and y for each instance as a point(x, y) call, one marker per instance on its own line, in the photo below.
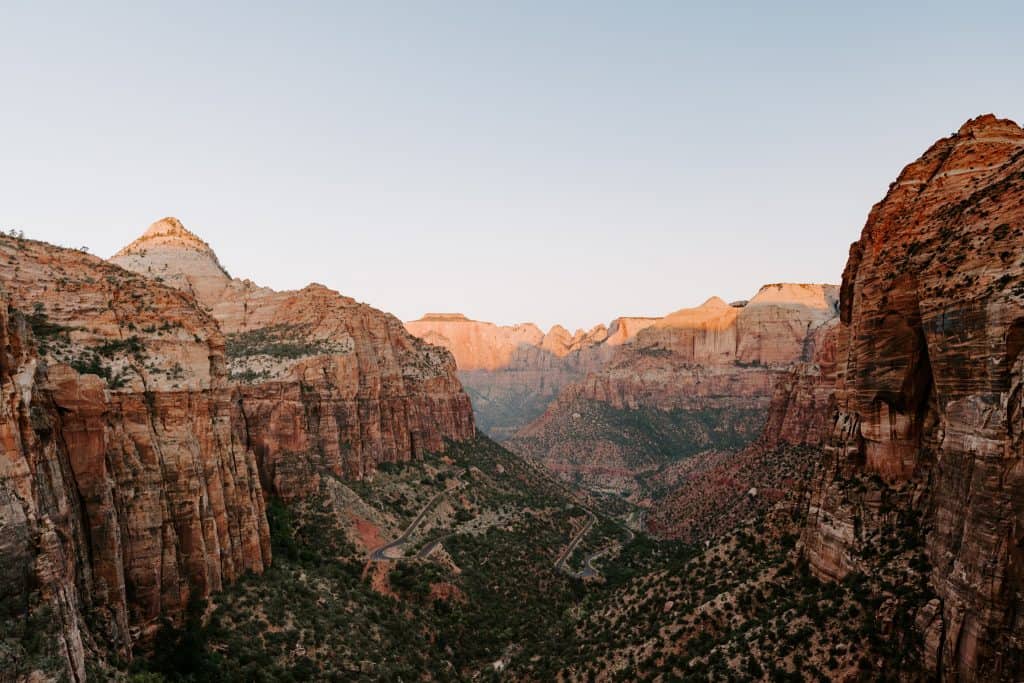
point(138, 438)
point(42, 531)
point(705, 496)
point(513, 372)
point(771, 329)
point(928, 392)
point(708, 373)
point(802, 409)
point(717, 354)
point(136, 486)
point(325, 383)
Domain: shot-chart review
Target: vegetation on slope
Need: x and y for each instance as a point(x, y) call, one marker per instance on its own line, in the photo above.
point(490, 601)
point(323, 612)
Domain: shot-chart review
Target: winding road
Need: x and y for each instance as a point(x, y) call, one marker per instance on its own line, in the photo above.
point(386, 552)
point(563, 558)
point(392, 551)
point(588, 571)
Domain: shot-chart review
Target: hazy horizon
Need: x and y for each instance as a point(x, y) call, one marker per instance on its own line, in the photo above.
point(554, 164)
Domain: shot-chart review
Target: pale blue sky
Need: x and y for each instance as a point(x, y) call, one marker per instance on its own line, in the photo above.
point(548, 161)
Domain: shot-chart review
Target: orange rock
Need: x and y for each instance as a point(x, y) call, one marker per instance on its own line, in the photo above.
point(928, 392)
point(325, 384)
point(133, 470)
point(513, 372)
point(164, 487)
point(725, 358)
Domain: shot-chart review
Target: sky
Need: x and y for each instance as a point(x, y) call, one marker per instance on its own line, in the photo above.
point(554, 162)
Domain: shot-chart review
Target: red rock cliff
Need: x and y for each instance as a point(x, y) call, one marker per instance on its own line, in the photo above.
point(700, 378)
point(326, 384)
point(928, 392)
point(513, 372)
point(131, 482)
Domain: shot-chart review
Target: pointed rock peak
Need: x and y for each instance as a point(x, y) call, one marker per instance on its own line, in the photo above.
point(167, 226)
point(166, 232)
point(167, 248)
point(714, 302)
point(714, 311)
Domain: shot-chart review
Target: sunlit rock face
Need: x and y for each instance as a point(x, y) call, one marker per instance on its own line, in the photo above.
point(512, 372)
point(928, 393)
point(697, 379)
point(325, 383)
point(127, 485)
point(146, 413)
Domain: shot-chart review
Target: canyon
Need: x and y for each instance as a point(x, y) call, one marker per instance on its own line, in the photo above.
point(905, 411)
point(609, 407)
point(204, 479)
point(513, 372)
point(136, 462)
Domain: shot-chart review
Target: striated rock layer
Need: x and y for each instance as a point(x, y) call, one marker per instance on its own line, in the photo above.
point(708, 373)
point(127, 486)
point(325, 383)
point(138, 438)
point(42, 530)
point(928, 396)
point(513, 372)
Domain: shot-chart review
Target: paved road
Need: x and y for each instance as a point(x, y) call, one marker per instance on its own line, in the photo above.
point(386, 552)
point(560, 563)
point(588, 571)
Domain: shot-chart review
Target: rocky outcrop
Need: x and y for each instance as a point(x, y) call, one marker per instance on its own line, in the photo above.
point(707, 372)
point(801, 412)
point(513, 372)
point(772, 329)
point(132, 484)
point(326, 384)
point(696, 357)
point(703, 497)
point(138, 439)
point(717, 354)
point(928, 395)
point(42, 530)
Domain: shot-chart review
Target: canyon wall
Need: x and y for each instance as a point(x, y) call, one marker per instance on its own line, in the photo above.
point(703, 497)
point(928, 395)
point(325, 383)
point(42, 529)
point(513, 372)
point(144, 417)
point(128, 487)
point(698, 379)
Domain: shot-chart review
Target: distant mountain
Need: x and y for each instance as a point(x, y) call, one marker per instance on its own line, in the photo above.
point(698, 379)
point(513, 372)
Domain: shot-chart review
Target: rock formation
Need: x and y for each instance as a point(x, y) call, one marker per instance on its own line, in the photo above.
point(42, 531)
point(703, 497)
point(928, 396)
point(127, 485)
point(326, 383)
point(513, 372)
point(138, 440)
point(802, 407)
point(707, 373)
